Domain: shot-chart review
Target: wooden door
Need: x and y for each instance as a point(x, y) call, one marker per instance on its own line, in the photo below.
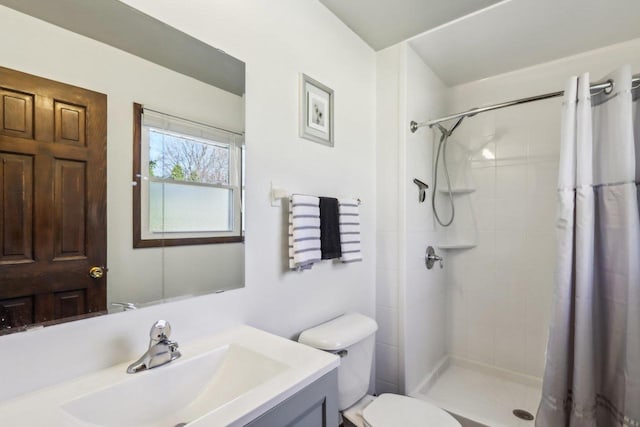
point(53, 140)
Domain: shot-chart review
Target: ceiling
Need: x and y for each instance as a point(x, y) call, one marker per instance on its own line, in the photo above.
point(383, 23)
point(139, 34)
point(467, 40)
point(521, 33)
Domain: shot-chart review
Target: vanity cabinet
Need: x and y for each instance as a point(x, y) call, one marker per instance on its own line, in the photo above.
point(314, 406)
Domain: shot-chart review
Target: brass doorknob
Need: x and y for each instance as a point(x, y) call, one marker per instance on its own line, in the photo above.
point(96, 272)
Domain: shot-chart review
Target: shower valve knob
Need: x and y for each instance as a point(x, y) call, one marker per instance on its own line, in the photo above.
point(430, 258)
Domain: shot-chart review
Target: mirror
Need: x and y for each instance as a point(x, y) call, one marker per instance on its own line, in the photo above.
point(109, 48)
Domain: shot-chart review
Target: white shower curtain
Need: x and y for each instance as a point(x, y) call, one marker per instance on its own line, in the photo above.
point(592, 373)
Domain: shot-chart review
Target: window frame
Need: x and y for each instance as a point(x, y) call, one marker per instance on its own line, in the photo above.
point(138, 240)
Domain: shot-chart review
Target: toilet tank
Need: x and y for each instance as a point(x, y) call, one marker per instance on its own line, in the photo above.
point(352, 337)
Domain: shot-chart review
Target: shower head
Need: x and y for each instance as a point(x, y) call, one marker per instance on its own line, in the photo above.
point(422, 188)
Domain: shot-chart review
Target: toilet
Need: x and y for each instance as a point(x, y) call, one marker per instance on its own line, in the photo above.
point(352, 337)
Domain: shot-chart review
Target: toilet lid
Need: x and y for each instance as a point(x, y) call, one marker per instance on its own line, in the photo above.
point(392, 410)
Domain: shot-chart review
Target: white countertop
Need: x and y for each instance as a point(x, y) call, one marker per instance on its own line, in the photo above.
point(304, 365)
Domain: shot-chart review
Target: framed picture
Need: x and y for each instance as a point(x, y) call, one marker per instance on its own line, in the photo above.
point(316, 111)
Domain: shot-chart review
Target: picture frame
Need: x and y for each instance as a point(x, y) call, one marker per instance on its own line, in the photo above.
point(316, 111)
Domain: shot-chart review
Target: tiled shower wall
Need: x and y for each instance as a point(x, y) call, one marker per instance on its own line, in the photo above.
point(424, 314)
point(500, 292)
point(411, 301)
point(491, 303)
point(387, 225)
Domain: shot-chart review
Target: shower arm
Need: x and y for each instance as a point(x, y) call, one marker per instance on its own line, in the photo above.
point(449, 132)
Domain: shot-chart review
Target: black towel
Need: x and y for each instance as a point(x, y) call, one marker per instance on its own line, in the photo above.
point(329, 228)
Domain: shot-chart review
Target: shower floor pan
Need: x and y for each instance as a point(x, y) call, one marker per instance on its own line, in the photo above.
point(479, 395)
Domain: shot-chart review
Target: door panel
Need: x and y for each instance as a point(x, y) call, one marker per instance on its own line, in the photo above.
point(16, 111)
point(16, 208)
point(16, 312)
point(69, 303)
point(70, 124)
point(69, 201)
point(53, 198)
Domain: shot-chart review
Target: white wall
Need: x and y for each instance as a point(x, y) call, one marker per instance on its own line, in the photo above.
point(411, 300)
point(277, 40)
point(500, 292)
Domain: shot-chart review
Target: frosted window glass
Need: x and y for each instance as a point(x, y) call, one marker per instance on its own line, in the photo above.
point(189, 208)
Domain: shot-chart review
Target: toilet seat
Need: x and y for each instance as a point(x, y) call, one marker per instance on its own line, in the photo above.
point(392, 410)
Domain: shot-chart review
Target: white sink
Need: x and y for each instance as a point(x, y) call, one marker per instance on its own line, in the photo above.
point(226, 379)
point(177, 392)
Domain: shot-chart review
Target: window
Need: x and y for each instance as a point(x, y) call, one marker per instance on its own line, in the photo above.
point(188, 182)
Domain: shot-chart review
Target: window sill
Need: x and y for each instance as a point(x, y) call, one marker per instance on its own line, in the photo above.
point(159, 243)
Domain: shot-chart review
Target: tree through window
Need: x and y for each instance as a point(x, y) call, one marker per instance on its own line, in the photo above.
point(185, 159)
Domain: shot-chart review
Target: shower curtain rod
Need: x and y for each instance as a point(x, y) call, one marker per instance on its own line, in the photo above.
point(607, 87)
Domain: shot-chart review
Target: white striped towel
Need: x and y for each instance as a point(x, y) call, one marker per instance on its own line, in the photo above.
point(304, 232)
point(350, 230)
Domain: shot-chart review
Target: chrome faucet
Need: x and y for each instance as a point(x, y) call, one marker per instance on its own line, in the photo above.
point(161, 349)
point(430, 258)
point(126, 306)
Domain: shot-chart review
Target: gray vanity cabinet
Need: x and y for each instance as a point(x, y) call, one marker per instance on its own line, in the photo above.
point(314, 406)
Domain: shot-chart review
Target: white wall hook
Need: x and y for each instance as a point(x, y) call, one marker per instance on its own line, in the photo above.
point(277, 194)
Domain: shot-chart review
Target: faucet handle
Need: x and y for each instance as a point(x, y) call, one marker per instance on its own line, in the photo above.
point(160, 330)
point(125, 305)
point(430, 258)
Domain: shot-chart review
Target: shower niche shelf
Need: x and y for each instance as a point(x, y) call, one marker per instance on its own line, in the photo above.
point(454, 246)
point(457, 191)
